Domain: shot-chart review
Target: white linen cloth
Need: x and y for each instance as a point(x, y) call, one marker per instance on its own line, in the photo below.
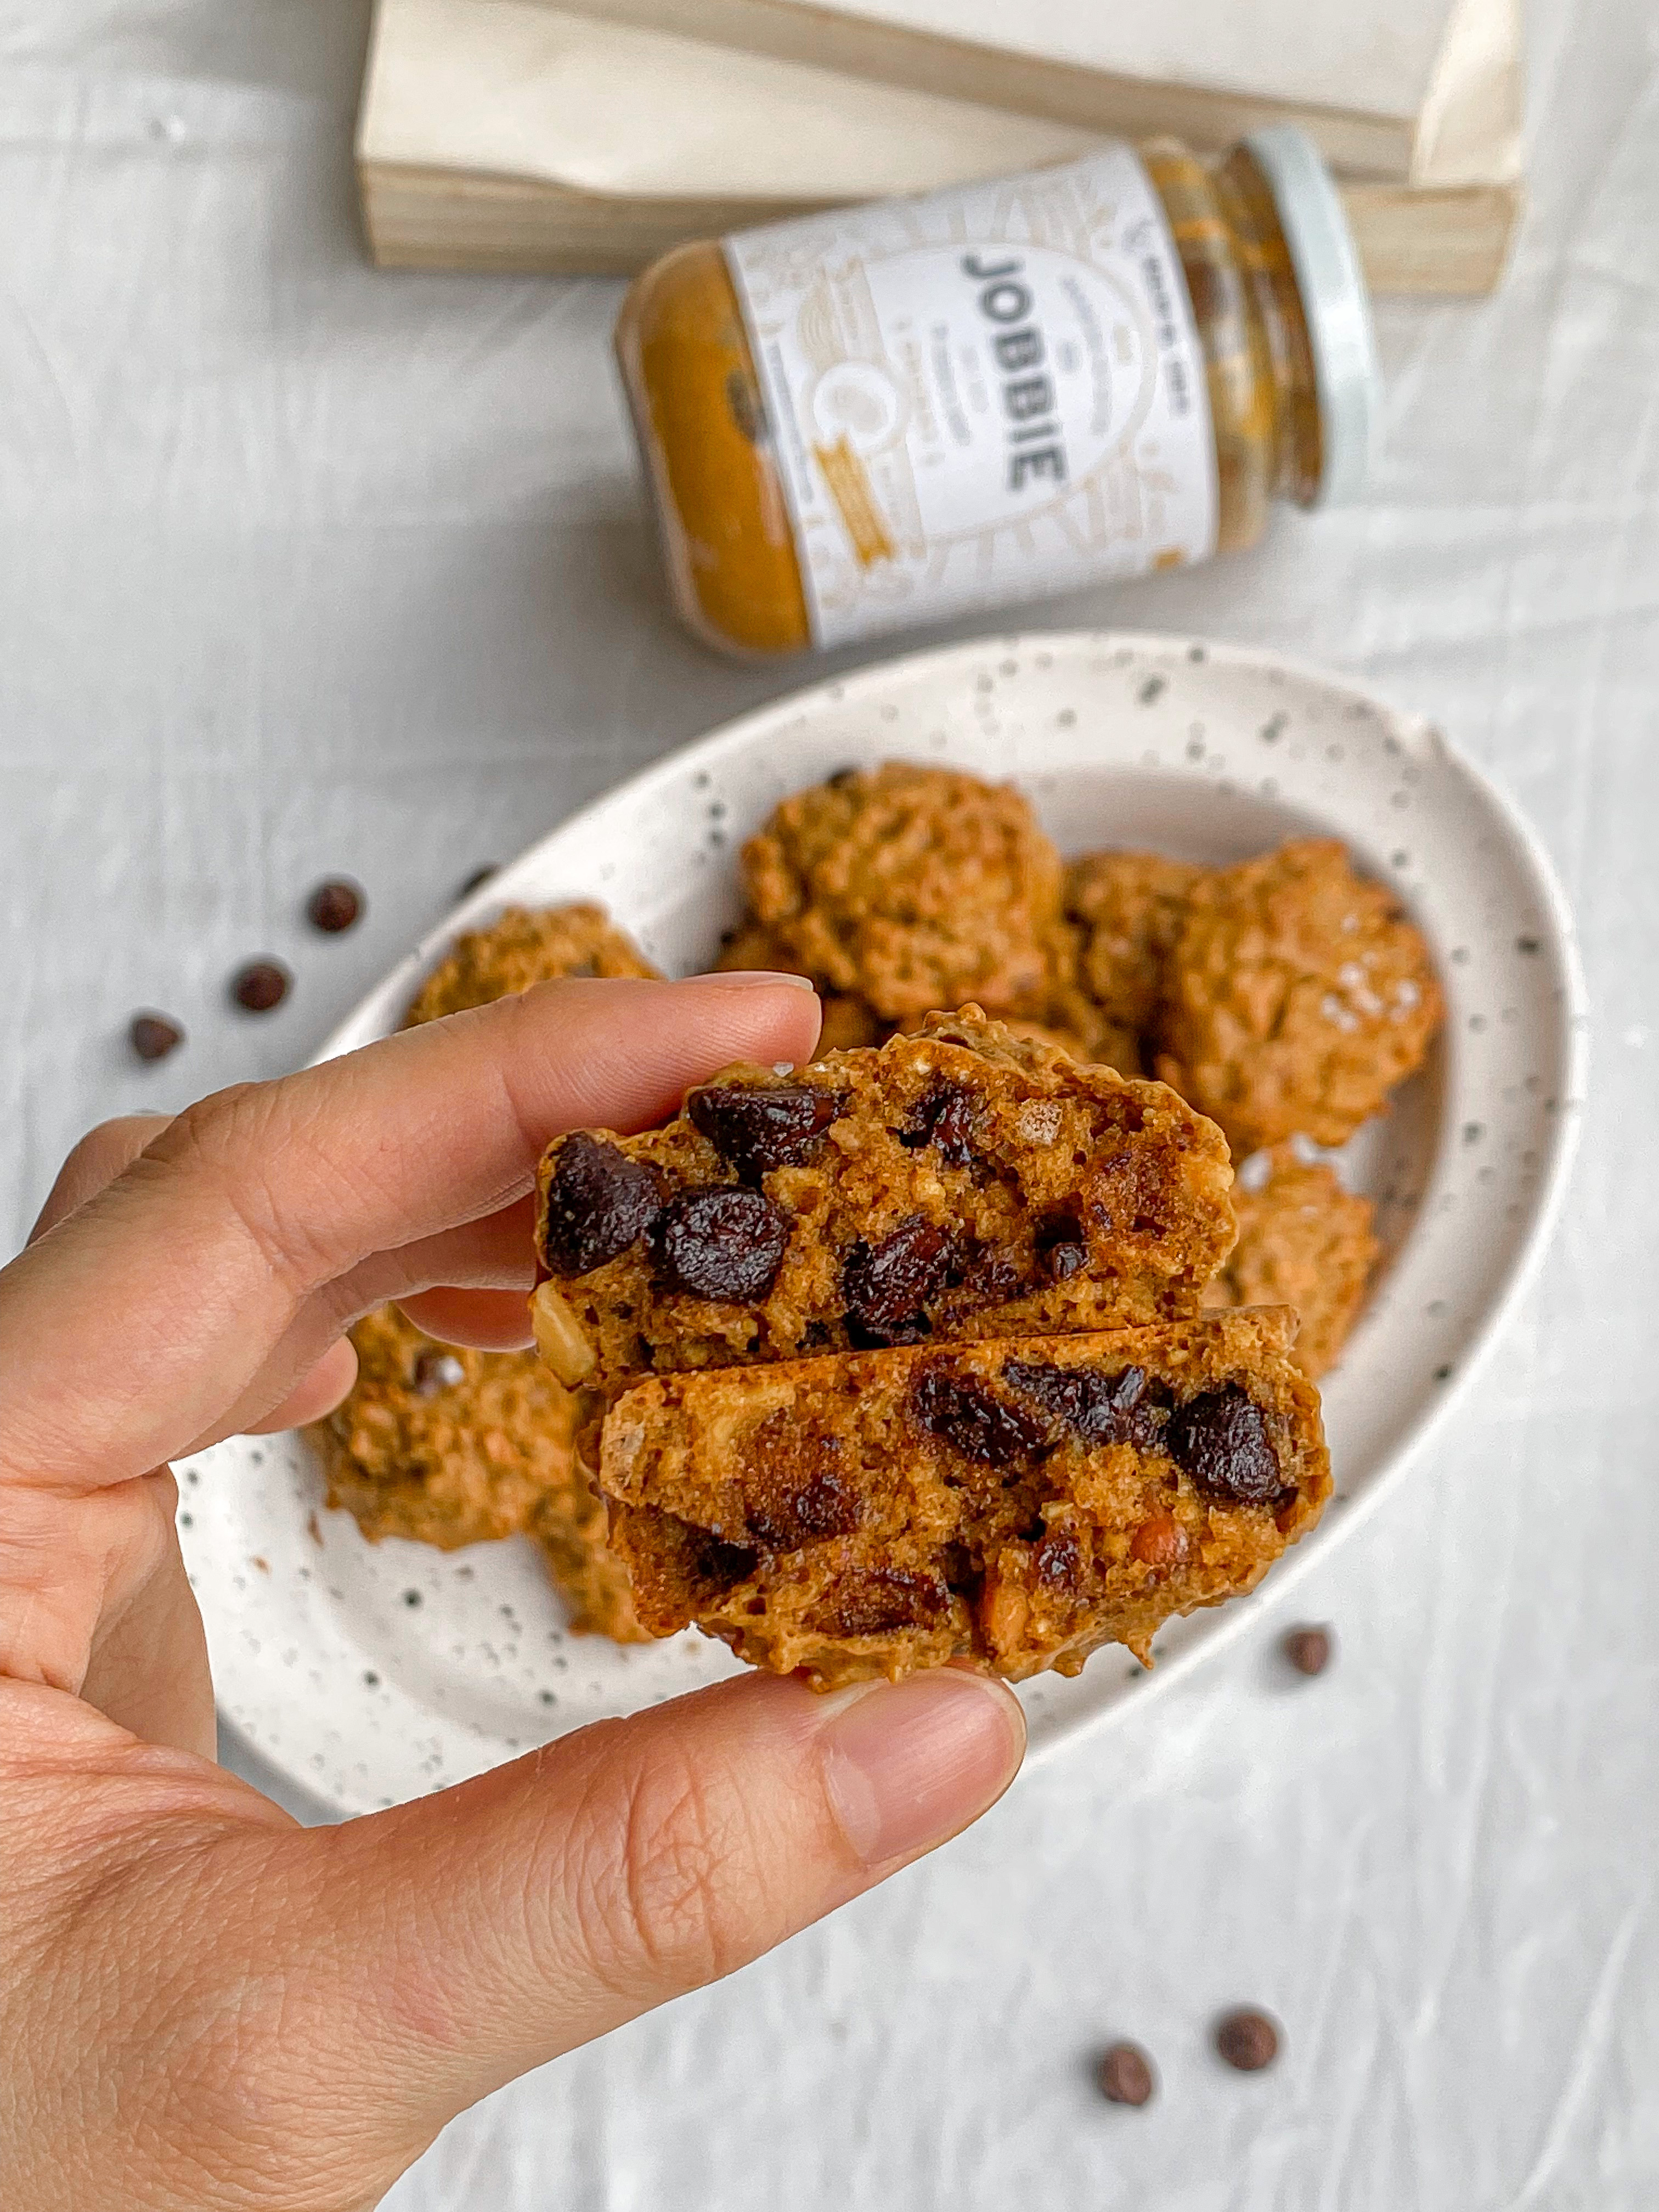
point(306, 568)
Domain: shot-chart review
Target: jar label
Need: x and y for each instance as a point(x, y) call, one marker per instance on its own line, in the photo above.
point(980, 396)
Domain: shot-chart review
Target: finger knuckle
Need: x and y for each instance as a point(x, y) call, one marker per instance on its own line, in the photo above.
point(669, 1883)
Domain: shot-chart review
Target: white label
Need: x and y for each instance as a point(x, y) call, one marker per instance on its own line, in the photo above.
point(982, 396)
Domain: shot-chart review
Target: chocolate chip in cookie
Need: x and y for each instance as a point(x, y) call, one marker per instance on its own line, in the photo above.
point(722, 1243)
point(598, 1203)
point(967, 1413)
point(756, 1130)
point(1221, 1440)
point(887, 1285)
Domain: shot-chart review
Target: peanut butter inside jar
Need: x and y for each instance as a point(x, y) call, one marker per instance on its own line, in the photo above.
point(878, 417)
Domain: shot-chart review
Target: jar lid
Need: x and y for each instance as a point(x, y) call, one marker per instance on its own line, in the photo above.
point(1335, 302)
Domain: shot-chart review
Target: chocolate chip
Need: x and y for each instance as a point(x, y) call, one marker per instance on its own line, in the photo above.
point(722, 1243)
point(707, 1561)
point(1126, 2075)
point(1062, 1247)
point(1247, 2039)
point(435, 1372)
point(988, 1273)
point(478, 879)
point(153, 1036)
point(334, 906)
point(598, 1203)
point(1057, 1563)
point(965, 1411)
point(943, 1118)
point(875, 1600)
point(1221, 1440)
point(887, 1285)
point(1309, 1649)
point(1103, 1409)
point(786, 1507)
point(260, 985)
point(757, 1129)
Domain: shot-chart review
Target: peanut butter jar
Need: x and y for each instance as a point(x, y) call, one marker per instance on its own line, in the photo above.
point(887, 415)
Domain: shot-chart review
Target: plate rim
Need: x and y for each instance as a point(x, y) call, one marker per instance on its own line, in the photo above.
point(1417, 733)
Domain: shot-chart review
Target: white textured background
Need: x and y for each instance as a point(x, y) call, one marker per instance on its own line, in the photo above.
point(305, 567)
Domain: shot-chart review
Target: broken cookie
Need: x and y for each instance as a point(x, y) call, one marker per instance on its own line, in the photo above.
point(1015, 1503)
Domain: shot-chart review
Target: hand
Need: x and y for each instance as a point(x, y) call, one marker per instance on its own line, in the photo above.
point(202, 2004)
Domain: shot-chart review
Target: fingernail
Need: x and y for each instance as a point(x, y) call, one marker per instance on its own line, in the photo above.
point(908, 1764)
point(753, 978)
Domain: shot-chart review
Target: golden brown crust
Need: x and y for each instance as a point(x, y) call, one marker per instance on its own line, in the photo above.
point(908, 887)
point(1015, 1504)
point(1297, 996)
point(1304, 1241)
point(523, 946)
point(1127, 910)
point(962, 1183)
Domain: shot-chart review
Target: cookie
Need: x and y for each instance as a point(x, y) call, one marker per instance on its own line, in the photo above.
point(848, 1021)
point(1091, 1030)
point(1126, 909)
point(522, 946)
point(908, 887)
point(449, 1447)
point(444, 1446)
point(1305, 1242)
point(1014, 1503)
point(1296, 995)
point(570, 1525)
point(958, 1183)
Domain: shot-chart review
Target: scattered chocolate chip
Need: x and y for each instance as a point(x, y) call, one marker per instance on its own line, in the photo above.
point(334, 906)
point(1062, 1247)
point(260, 985)
point(1309, 1649)
point(722, 1243)
point(435, 1372)
point(945, 1119)
point(1126, 2075)
point(1247, 2039)
point(412, 1598)
point(965, 1411)
point(598, 1203)
point(478, 879)
point(1221, 1440)
point(1103, 1409)
point(153, 1036)
point(755, 1129)
point(875, 1600)
point(887, 1285)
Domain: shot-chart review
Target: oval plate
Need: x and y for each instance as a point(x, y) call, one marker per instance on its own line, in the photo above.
point(372, 1673)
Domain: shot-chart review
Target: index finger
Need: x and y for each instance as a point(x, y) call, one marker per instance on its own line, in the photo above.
point(133, 1326)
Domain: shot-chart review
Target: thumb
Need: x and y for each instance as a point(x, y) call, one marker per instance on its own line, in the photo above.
point(452, 1944)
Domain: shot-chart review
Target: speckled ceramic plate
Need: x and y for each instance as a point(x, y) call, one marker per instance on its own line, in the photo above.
point(371, 1674)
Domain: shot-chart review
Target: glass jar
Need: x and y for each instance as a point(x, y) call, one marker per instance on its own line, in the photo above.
point(889, 415)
